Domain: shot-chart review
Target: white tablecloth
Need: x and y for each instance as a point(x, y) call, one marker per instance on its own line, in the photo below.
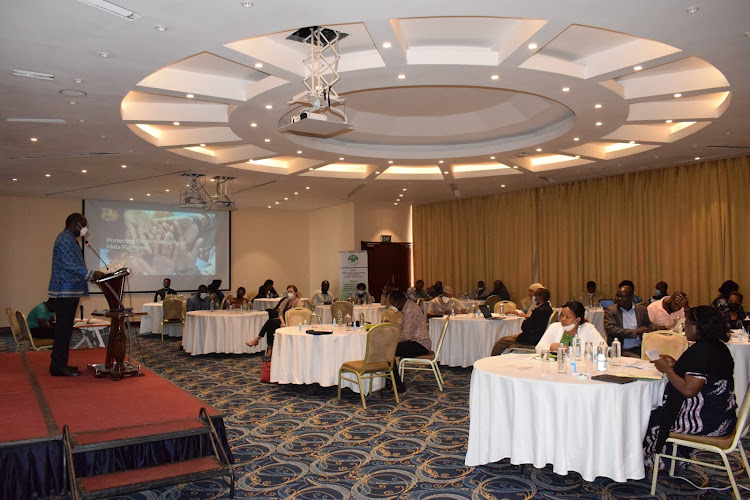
point(470, 338)
point(524, 410)
point(263, 304)
point(223, 331)
point(741, 354)
point(302, 358)
point(151, 323)
point(372, 313)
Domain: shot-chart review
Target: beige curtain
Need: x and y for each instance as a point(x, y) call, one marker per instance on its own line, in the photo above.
point(685, 225)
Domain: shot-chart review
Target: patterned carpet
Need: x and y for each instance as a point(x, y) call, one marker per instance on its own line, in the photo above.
point(299, 442)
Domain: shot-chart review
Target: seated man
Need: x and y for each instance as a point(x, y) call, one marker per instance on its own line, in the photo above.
point(626, 322)
point(445, 304)
point(666, 312)
point(414, 340)
point(636, 298)
point(41, 320)
point(164, 291)
point(240, 300)
point(201, 301)
point(499, 289)
point(361, 296)
point(213, 289)
point(322, 296)
point(387, 290)
point(417, 291)
point(661, 291)
point(532, 328)
point(591, 297)
point(435, 290)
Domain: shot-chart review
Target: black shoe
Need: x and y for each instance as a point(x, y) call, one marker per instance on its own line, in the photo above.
point(64, 373)
point(71, 368)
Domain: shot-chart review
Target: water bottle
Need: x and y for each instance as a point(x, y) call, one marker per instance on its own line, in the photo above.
point(453, 312)
point(314, 319)
point(601, 357)
point(299, 327)
point(577, 348)
point(362, 319)
point(340, 318)
point(502, 308)
point(211, 305)
point(348, 321)
point(268, 294)
point(616, 352)
point(562, 362)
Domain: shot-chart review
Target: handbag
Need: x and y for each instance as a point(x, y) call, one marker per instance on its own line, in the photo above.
point(265, 371)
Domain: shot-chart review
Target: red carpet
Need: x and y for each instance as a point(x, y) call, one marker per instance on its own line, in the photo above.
point(20, 415)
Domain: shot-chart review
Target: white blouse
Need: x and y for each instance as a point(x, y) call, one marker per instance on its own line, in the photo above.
point(586, 331)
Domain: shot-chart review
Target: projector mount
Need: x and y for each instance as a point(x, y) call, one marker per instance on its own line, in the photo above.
point(195, 194)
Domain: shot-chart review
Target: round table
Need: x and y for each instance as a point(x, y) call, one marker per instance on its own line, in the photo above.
point(741, 354)
point(151, 323)
point(223, 331)
point(372, 313)
point(470, 338)
point(521, 408)
point(301, 358)
point(263, 304)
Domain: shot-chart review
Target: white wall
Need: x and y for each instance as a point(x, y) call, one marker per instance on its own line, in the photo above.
point(331, 232)
point(372, 221)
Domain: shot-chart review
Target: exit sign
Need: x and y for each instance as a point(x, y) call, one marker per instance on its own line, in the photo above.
point(385, 238)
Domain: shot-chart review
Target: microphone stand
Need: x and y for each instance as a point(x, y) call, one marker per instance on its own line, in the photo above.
point(100, 258)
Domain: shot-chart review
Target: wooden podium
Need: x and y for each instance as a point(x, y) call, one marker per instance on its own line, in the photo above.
point(112, 286)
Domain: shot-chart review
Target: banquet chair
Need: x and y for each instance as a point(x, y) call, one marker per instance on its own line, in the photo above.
point(173, 315)
point(380, 357)
point(344, 307)
point(15, 330)
point(491, 301)
point(554, 317)
point(23, 327)
point(507, 305)
point(664, 341)
point(427, 362)
point(391, 316)
point(723, 445)
point(297, 315)
point(226, 301)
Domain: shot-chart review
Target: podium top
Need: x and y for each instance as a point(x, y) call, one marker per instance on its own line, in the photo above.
point(120, 273)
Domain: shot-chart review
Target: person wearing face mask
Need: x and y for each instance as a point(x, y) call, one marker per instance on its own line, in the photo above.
point(290, 301)
point(722, 301)
point(414, 340)
point(735, 313)
point(240, 300)
point(164, 290)
point(322, 296)
point(572, 322)
point(440, 306)
point(479, 291)
point(660, 292)
point(67, 284)
point(361, 296)
point(417, 291)
point(527, 303)
point(532, 328)
point(201, 301)
point(666, 312)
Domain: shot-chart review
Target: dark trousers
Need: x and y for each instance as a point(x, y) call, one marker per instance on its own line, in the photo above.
point(408, 349)
point(41, 332)
point(65, 310)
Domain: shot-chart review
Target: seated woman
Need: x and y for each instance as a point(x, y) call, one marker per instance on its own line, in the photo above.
point(269, 328)
point(735, 313)
point(572, 322)
point(266, 291)
point(292, 300)
point(527, 303)
point(722, 301)
point(699, 398)
point(240, 300)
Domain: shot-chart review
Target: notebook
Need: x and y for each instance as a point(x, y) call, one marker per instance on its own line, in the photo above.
point(606, 302)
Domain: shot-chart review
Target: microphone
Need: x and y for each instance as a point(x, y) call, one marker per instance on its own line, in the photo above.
point(100, 258)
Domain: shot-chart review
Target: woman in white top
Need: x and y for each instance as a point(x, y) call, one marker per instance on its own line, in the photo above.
point(572, 322)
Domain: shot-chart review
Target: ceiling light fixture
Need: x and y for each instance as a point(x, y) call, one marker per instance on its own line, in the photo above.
point(285, 199)
point(124, 166)
point(47, 175)
point(14, 179)
point(445, 172)
point(677, 95)
point(631, 142)
point(566, 89)
point(387, 45)
point(532, 46)
point(269, 106)
point(637, 68)
point(299, 152)
point(577, 156)
point(33, 74)
point(597, 106)
point(377, 172)
point(160, 27)
point(441, 161)
point(84, 171)
point(190, 96)
point(697, 157)
point(401, 76)
point(692, 10)
point(148, 194)
point(131, 199)
point(495, 77)
point(176, 124)
point(668, 121)
point(166, 190)
point(33, 139)
point(72, 102)
point(277, 203)
point(401, 195)
point(576, 139)
point(492, 157)
point(538, 150)
point(112, 9)
point(267, 140)
point(202, 145)
point(310, 168)
point(404, 189)
point(77, 80)
point(296, 193)
point(307, 187)
point(269, 206)
point(105, 55)
point(247, 4)
point(341, 158)
point(253, 124)
point(390, 161)
point(598, 124)
point(258, 65)
point(515, 166)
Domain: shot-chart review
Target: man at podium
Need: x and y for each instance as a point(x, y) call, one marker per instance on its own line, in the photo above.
point(67, 284)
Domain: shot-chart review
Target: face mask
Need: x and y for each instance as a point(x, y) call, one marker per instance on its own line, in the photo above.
point(734, 307)
point(83, 231)
point(570, 326)
point(203, 296)
point(394, 308)
point(658, 293)
point(290, 295)
point(240, 295)
point(445, 299)
point(360, 292)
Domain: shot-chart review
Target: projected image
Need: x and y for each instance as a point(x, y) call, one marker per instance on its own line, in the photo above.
point(157, 242)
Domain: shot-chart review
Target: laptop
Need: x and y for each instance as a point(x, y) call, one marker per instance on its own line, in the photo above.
point(606, 302)
point(487, 313)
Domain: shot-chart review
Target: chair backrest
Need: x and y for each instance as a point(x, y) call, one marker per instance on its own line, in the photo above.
point(664, 341)
point(391, 316)
point(11, 314)
point(442, 337)
point(491, 301)
point(172, 309)
point(553, 317)
point(297, 315)
point(382, 341)
point(743, 419)
point(507, 305)
point(226, 301)
point(344, 307)
point(23, 327)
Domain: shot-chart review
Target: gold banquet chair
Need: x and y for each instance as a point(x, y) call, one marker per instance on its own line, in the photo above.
point(553, 318)
point(23, 327)
point(491, 301)
point(380, 357)
point(723, 445)
point(391, 316)
point(343, 306)
point(507, 305)
point(297, 315)
point(664, 341)
point(15, 330)
point(173, 315)
point(427, 362)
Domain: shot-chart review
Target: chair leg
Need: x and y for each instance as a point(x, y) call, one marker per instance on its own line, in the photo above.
point(674, 462)
point(731, 476)
point(435, 370)
point(393, 383)
point(401, 369)
point(437, 367)
point(657, 459)
point(744, 458)
point(361, 391)
point(338, 394)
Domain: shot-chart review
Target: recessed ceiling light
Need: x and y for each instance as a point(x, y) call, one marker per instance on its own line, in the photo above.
point(166, 190)
point(213, 180)
point(285, 199)
point(176, 124)
point(47, 175)
point(445, 172)
point(105, 54)
point(697, 157)
point(692, 10)
point(637, 68)
point(538, 150)
point(269, 106)
point(267, 140)
point(73, 93)
point(72, 102)
point(598, 124)
point(502, 185)
point(441, 161)
point(190, 96)
point(401, 195)
point(14, 179)
point(296, 192)
point(631, 142)
point(495, 77)
point(403, 189)
point(253, 124)
point(395, 203)
point(677, 95)
point(515, 166)
point(160, 27)
point(124, 166)
point(390, 161)
point(259, 65)
point(387, 45)
point(341, 158)
point(202, 145)
point(84, 171)
point(492, 157)
point(247, 3)
point(277, 203)
point(310, 168)
point(131, 199)
point(148, 194)
point(577, 156)
point(377, 172)
point(33, 139)
point(668, 121)
point(269, 206)
point(398, 199)
point(307, 187)
point(401, 76)
point(77, 80)
point(532, 46)
point(299, 152)
point(597, 106)
point(576, 138)
point(566, 89)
